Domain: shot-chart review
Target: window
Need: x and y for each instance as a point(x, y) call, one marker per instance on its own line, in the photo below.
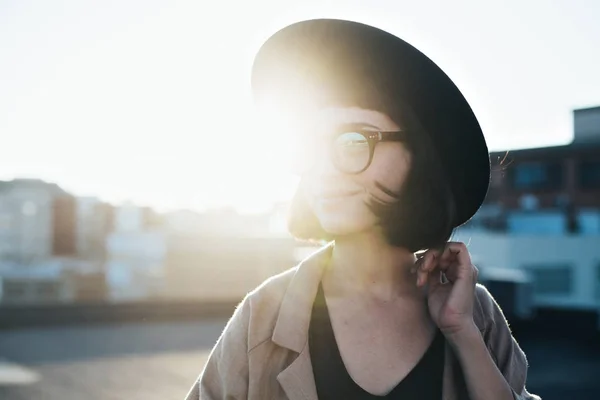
point(14, 290)
point(589, 174)
point(536, 175)
point(551, 279)
point(48, 290)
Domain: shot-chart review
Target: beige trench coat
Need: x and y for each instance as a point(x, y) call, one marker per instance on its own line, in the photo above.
point(263, 352)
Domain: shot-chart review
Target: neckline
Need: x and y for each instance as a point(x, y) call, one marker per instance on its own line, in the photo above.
point(322, 313)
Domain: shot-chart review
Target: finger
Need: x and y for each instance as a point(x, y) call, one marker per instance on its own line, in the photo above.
point(436, 278)
point(448, 265)
point(450, 272)
point(433, 279)
point(429, 263)
point(418, 262)
point(457, 251)
point(418, 267)
point(456, 260)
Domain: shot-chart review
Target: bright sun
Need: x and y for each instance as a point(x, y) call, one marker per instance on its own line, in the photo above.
point(148, 108)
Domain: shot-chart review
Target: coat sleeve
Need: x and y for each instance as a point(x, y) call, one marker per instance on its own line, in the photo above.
point(225, 375)
point(506, 352)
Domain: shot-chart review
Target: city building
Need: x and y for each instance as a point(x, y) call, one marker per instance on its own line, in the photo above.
point(27, 220)
point(135, 255)
point(552, 189)
point(542, 216)
point(52, 244)
point(64, 226)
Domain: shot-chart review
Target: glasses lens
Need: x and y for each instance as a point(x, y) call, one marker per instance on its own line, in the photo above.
point(351, 152)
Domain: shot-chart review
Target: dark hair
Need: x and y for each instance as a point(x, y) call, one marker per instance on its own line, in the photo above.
point(424, 214)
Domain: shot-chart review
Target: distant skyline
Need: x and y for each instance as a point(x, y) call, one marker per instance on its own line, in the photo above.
point(148, 101)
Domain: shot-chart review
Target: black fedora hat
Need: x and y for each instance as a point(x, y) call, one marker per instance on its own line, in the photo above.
point(352, 56)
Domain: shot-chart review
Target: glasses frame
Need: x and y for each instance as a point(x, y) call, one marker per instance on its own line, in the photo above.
point(373, 137)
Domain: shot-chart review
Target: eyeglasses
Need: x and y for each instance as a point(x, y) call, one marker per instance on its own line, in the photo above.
point(352, 151)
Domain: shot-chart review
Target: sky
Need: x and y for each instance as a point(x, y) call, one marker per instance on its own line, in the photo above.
point(148, 101)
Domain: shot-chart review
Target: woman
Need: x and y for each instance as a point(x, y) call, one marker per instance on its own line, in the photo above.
point(392, 160)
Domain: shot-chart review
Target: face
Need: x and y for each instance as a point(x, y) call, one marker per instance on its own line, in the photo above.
point(337, 197)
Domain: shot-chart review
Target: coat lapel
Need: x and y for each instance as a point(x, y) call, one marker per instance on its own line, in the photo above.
point(293, 321)
point(297, 380)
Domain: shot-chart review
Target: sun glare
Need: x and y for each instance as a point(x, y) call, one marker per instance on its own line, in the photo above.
point(150, 110)
point(150, 102)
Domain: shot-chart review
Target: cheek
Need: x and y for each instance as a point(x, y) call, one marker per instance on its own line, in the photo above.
point(345, 216)
point(390, 167)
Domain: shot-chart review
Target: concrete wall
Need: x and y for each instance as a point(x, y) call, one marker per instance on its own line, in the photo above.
point(581, 254)
point(223, 269)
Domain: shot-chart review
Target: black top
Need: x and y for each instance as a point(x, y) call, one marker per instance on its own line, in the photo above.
point(423, 382)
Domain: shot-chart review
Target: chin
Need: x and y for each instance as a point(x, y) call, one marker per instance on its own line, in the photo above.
point(339, 228)
point(342, 224)
point(344, 216)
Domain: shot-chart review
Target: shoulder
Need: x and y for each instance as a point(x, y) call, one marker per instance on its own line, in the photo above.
point(486, 310)
point(261, 306)
point(267, 297)
point(495, 329)
point(504, 349)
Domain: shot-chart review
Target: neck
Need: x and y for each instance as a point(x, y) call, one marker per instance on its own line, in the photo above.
point(366, 263)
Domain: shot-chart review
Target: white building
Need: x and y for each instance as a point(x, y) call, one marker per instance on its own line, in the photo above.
point(564, 270)
point(26, 220)
point(135, 257)
point(129, 218)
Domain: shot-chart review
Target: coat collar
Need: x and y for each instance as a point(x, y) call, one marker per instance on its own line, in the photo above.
point(293, 321)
